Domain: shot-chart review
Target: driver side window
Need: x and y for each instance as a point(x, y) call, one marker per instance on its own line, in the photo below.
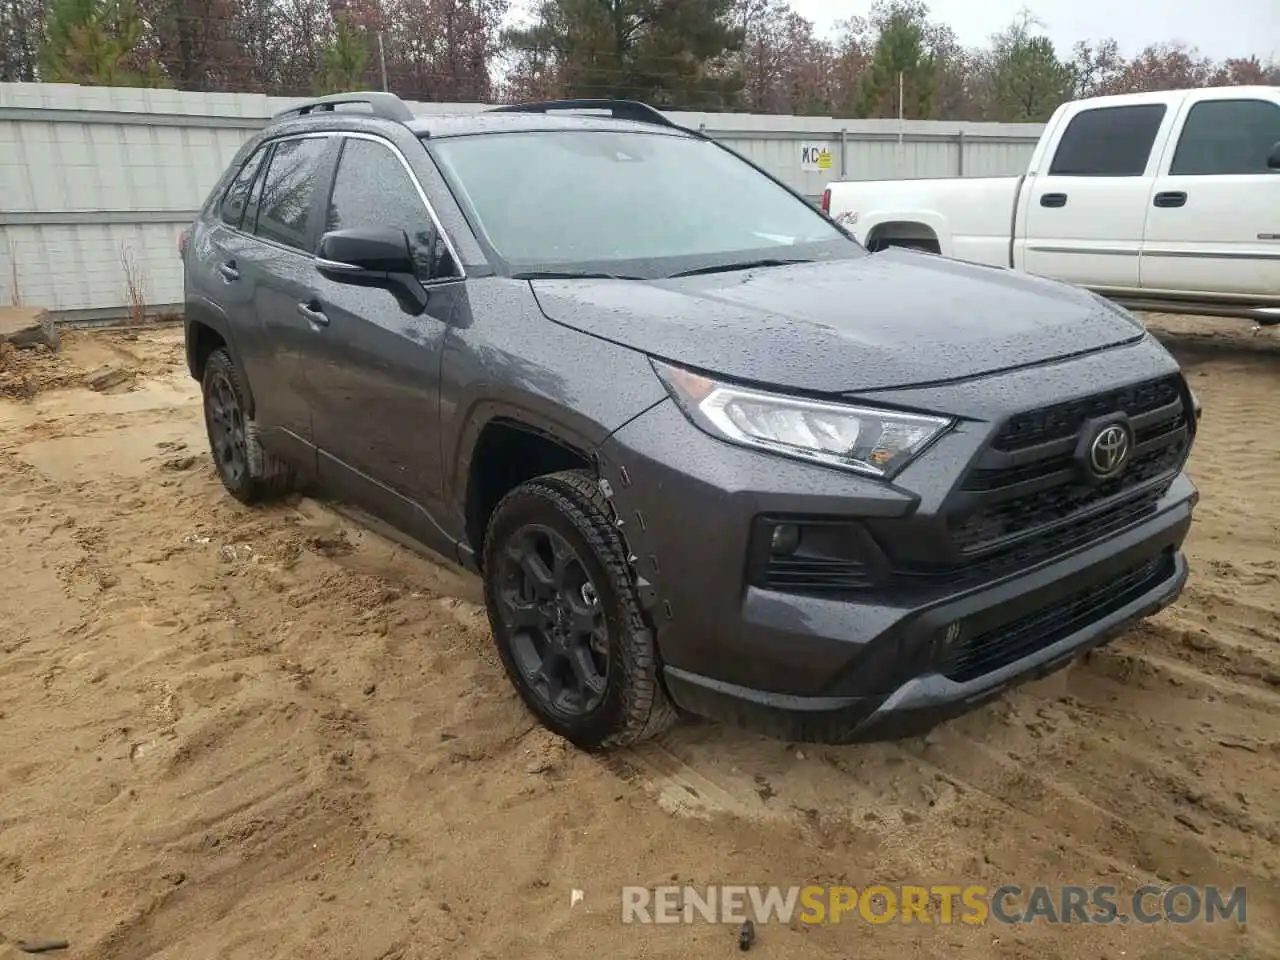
point(373, 189)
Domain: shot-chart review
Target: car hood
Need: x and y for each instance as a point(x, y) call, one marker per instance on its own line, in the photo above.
point(892, 319)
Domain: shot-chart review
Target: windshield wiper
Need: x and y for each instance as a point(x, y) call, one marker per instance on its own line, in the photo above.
point(742, 265)
point(570, 275)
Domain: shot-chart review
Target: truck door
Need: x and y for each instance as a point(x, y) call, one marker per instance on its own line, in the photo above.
point(1083, 212)
point(1213, 214)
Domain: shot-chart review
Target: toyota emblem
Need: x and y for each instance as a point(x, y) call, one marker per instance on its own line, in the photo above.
point(1109, 451)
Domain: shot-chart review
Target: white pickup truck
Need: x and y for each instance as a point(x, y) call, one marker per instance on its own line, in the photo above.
point(1160, 201)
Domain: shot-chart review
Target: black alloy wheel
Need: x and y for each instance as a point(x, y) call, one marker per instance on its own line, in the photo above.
point(226, 419)
point(560, 639)
point(566, 617)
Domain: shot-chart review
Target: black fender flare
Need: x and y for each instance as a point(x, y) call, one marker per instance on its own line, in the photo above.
point(201, 312)
point(486, 412)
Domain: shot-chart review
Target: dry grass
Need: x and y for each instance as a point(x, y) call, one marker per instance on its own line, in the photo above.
point(135, 286)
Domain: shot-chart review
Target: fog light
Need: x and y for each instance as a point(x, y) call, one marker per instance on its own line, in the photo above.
point(786, 538)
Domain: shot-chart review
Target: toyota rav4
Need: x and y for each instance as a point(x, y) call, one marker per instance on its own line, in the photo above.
point(705, 451)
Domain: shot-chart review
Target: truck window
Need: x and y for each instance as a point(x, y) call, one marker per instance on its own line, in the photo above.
point(1226, 136)
point(1108, 142)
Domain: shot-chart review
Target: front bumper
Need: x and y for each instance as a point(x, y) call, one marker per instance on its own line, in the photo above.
point(931, 697)
point(866, 665)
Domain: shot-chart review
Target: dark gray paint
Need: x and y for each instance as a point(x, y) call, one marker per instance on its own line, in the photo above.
point(896, 319)
point(386, 403)
point(698, 495)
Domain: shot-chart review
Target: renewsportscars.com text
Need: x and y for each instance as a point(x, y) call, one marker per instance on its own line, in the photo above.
point(938, 904)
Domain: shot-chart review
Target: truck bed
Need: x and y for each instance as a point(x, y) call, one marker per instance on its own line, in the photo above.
point(970, 218)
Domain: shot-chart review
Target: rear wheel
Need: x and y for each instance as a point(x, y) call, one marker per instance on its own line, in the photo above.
point(907, 243)
point(566, 617)
point(249, 473)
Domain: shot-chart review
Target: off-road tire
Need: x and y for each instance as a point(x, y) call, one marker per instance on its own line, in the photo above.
point(265, 477)
point(635, 706)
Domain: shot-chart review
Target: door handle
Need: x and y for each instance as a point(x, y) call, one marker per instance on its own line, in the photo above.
point(1170, 198)
point(228, 270)
point(313, 314)
point(1053, 200)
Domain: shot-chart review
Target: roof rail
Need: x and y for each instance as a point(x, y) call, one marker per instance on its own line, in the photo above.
point(632, 110)
point(385, 105)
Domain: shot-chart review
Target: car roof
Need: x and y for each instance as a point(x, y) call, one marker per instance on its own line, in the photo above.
point(618, 116)
point(468, 124)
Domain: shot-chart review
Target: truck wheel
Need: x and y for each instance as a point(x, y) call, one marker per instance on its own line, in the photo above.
point(231, 440)
point(566, 617)
point(925, 246)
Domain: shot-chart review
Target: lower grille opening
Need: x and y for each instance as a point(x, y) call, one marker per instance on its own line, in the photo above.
point(1061, 539)
point(816, 575)
point(981, 654)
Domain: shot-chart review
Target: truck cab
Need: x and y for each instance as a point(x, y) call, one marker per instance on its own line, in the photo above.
point(1164, 200)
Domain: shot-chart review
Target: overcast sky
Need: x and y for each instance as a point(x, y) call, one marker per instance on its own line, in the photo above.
point(1234, 28)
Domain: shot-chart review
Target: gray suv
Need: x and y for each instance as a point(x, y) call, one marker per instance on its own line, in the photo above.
point(706, 452)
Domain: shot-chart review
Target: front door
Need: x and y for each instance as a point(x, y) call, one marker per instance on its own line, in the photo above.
point(1083, 215)
point(375, 370)
point(1213, 215)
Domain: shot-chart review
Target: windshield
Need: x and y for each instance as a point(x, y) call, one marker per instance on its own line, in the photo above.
point(633, 204)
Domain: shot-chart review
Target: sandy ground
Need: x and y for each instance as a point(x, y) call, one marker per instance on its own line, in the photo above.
point(253, 733)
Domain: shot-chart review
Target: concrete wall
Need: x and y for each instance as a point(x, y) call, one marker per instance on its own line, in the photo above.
point(96, 183)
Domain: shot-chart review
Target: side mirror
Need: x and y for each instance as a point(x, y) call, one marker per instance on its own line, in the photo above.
point(1273, 159)
point(361, 253)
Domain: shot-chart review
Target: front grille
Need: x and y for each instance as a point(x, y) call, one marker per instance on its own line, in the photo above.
point(815, 575)
point(1066, 419)
point(974, 656)
point(1026, 483)
point(1060, 503)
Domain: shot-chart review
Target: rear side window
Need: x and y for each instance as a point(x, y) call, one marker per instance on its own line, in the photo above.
point(373, 189)
point(289, 188)
point(1108, 142)
point(1227, 136)
point(237, 196)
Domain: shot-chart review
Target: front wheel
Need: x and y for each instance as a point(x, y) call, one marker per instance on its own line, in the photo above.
point(566, 617)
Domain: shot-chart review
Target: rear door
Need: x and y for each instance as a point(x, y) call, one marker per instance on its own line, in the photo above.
point(215, 285)
point(1082, 216)
point(375, 369)
point(279, 266)
point(1213, 217)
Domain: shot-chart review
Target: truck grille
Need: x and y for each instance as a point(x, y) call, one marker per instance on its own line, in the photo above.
point(1026, 484)
point(992, 649)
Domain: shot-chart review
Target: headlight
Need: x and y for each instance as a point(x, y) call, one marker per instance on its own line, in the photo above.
point(862, 439)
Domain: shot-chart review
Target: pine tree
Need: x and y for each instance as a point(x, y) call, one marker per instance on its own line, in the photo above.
point(653, 50)
point(96, 42)
point(346, 58)
point(900, 50)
